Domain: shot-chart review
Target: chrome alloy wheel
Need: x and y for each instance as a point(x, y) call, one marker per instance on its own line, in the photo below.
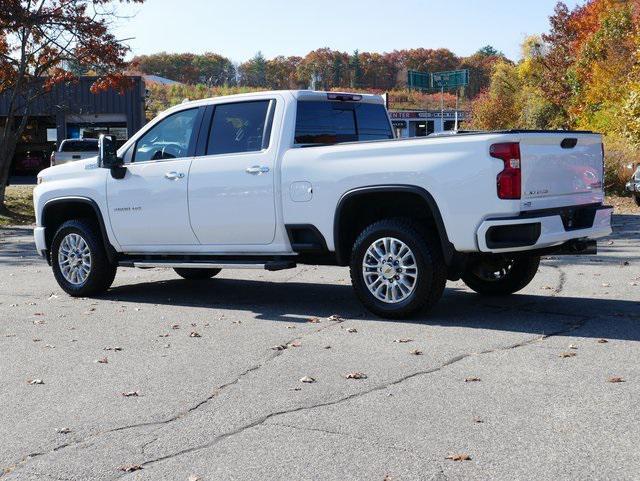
point(74, 259)
point(390, 270)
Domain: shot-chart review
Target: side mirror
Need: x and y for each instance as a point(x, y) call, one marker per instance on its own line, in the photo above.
point(108, 156)
point(107, 152)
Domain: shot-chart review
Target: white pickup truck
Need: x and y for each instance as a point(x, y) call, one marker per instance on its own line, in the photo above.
point(274, 179)
point(74, 149)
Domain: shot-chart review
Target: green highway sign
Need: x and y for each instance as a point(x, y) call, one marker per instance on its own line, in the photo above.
point(419, 80)
point(449, 80)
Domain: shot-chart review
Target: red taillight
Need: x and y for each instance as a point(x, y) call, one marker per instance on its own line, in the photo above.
point(510, 179)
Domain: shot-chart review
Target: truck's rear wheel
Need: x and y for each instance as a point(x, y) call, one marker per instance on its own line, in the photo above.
point(197, 274)
point(500, 275)
point(79, 261)
point(636, 197)
point(397, 268)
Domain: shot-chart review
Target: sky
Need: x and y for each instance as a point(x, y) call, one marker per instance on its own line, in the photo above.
point(238, 29)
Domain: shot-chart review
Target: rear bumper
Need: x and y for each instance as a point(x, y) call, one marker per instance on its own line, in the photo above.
point(531, 231)
point(40, 240)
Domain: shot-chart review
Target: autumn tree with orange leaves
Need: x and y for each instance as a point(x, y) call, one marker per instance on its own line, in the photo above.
point(584, 73)
point(38, 38)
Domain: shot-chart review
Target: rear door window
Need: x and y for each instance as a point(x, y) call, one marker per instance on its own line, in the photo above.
point(239, 127)
point(325, 122)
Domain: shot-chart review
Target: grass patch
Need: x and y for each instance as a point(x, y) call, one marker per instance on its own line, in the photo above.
point(19, 206)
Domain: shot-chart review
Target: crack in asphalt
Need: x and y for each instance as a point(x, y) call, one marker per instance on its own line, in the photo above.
point(342, 434)
point(7, 470)
point(263, 419)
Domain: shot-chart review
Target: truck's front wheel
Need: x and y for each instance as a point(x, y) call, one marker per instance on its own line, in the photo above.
point(397, 268)
point(79, 261)
point(499, 275)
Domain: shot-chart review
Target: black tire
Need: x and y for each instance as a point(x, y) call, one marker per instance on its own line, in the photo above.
point(197, 274)
point(636, 197)
point(495, 275)
point(432, 273)
point(102, 272)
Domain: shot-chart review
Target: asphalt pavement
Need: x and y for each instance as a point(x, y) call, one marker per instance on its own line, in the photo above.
point(166, 379)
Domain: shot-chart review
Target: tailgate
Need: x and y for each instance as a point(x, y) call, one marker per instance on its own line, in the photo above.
point(561, 169)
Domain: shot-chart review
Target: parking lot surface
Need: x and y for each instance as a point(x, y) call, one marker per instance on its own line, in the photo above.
point(165, 379)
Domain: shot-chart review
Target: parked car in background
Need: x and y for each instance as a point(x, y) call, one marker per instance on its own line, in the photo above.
point(74, 149)
point(633, 185)
point(30, 163)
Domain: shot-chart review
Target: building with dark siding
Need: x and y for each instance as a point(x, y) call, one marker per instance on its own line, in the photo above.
point(72, 111)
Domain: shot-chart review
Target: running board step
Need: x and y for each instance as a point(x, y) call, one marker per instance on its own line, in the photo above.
point(269, 265)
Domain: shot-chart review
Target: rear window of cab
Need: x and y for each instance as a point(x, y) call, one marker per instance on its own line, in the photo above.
point(331, 122)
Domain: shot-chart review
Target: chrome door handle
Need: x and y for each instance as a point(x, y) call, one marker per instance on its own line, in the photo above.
point(257, 170)
point(174, 175)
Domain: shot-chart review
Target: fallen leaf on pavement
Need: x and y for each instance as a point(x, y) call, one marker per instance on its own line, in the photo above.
point(175, 326)
point(294, 344)
point(472, 379)
point(459, 457)
point(131, 394)
point(35, 381)
point(114, 348)
point(130, 468)
point(194, 334)
point(567, 354)
point(615, 379)
point(416, 352)
point(573, 346)
point(352, 330)
point(102, 360)
point(602, 341)
point(37, 340)
point(477, 419)
point(307, 379)
point(335, 317)
point(279, 347)
point(314, 320)
point(403, 340)
point(64, 431)
point(193, 477)
point(356, 375)
point(606, 284)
